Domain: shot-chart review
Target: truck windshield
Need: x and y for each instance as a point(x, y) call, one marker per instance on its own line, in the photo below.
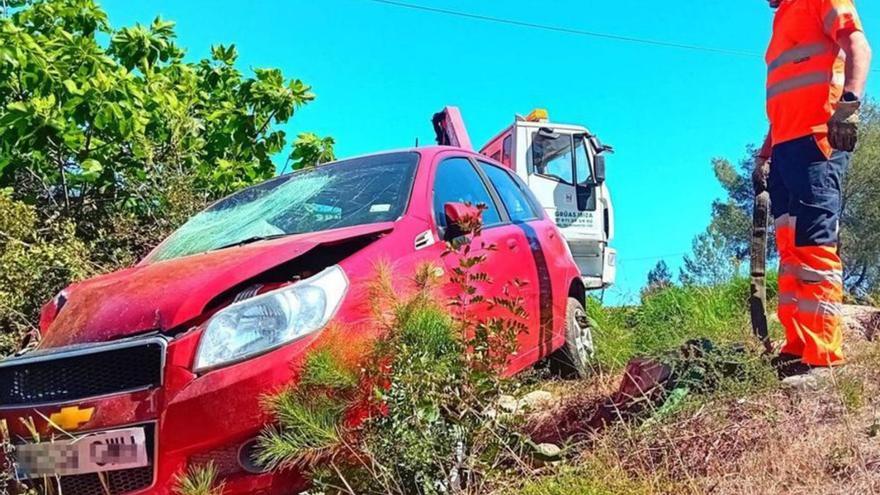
point(353, 192)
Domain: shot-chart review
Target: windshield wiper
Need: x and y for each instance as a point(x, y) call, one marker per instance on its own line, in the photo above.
point(251, 240)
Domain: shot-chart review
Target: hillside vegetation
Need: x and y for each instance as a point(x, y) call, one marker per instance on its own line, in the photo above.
point(749, 435)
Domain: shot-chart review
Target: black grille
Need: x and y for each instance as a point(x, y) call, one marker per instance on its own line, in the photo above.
point(82, 373)
point(118, 482)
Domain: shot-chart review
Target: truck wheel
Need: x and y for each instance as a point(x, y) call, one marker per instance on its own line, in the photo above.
point(572, 360)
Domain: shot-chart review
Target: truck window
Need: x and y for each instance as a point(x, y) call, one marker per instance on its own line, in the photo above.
point(512, 193)
point(506, 149)
point(457, 181)
point(583, 164)
point(551, 156)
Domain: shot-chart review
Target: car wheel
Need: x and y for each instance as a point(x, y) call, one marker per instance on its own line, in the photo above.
point(573, 359)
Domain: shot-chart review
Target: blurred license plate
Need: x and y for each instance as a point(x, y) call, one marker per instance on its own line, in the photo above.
point(90, 453)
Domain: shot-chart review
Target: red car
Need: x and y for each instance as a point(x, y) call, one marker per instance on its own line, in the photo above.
point(161, 366)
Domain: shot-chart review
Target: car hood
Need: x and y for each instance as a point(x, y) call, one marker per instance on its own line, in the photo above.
point(166, 295)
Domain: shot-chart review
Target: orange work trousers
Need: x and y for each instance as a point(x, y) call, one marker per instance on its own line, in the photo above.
point(805, 194)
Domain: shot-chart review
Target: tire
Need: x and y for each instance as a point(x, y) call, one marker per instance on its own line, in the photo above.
point(573, 359)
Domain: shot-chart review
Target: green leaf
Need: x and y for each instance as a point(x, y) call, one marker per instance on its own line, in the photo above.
point(71, 87)
point(17, 106)
point(92, 166)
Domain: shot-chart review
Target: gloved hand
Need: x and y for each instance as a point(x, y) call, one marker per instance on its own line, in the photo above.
point(843, 128)
point(760, 174)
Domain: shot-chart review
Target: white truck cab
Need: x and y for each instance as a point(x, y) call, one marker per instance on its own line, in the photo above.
point(564, 165)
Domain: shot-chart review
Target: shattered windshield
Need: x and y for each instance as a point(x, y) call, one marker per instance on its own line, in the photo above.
point(352, 192)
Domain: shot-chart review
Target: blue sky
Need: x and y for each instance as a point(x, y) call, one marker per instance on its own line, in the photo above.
point(380, 72)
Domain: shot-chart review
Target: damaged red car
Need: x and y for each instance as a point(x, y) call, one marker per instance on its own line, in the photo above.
point(161, 366)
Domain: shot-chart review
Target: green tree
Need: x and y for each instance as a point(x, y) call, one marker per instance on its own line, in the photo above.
point(89, 132)
point(113, 135)
point(732, 216)
point(311, 150)
point(860, 224)
point(659, 278)
point(724, 246)
point(713, 260)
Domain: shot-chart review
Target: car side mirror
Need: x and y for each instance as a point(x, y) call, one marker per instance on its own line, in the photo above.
point(459, 219)
point(600, 169)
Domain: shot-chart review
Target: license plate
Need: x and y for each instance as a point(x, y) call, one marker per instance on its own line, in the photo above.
point(90, 453)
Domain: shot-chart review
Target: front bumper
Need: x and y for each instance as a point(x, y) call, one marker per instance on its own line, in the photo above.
point(191, 420)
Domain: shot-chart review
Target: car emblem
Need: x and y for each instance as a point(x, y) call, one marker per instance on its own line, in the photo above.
point(71, 418)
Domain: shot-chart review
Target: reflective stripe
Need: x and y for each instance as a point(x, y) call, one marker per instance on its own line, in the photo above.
point(788, 270)
point(798, 53)
point(802, 81)
point(839, 79)
point(832, 16)
point(787, 298)
point(811, 275)
point(820, 307)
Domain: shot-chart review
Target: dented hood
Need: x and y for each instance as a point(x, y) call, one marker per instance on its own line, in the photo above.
point(167, 294)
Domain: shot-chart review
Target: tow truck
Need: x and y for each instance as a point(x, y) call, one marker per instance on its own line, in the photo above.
point(564, 166)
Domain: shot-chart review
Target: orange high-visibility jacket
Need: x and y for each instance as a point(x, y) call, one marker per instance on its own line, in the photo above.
point(805, 66)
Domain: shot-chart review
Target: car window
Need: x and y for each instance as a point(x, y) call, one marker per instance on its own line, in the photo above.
point(551, 156)
point(518, 206)
point(457, 181)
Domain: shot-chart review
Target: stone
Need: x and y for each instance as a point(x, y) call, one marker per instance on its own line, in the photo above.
point(508, 403)
point(806, 381)
point(547, 452)
point(536, 400)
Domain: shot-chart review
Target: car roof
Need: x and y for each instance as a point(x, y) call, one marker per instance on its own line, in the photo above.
point(429, 150)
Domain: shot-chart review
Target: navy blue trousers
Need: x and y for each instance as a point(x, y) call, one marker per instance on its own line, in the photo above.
point(806, 184)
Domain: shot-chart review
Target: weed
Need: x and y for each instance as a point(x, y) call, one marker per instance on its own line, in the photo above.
point(851, 391)
point(425, 423)
point(600, 474)
point(199, 480)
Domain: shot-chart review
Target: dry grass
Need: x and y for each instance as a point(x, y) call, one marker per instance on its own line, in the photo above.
point(751, 440)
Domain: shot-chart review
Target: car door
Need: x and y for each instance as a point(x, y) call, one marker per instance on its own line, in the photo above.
point(538, 234)
point(457, 179)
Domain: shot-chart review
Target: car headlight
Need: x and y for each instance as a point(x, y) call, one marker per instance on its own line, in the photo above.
point(265, 322)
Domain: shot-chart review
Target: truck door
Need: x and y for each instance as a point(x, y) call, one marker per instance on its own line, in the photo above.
point(560, 171)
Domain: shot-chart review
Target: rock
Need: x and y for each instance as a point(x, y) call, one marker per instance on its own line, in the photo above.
point(801, 382)
point(536, 400)
point(808, 381)
point(508, 403)
point(547, 452)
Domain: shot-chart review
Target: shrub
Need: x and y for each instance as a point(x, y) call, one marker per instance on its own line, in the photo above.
point(34, 265)
point(416, 415)
point(669, 317)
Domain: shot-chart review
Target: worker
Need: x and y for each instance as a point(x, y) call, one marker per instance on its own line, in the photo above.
point(817, 67)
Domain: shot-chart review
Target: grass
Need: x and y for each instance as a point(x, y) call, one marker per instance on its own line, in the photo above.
point(746, 434)
point(600, 474)
point(667, 319)
point(199, 480)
